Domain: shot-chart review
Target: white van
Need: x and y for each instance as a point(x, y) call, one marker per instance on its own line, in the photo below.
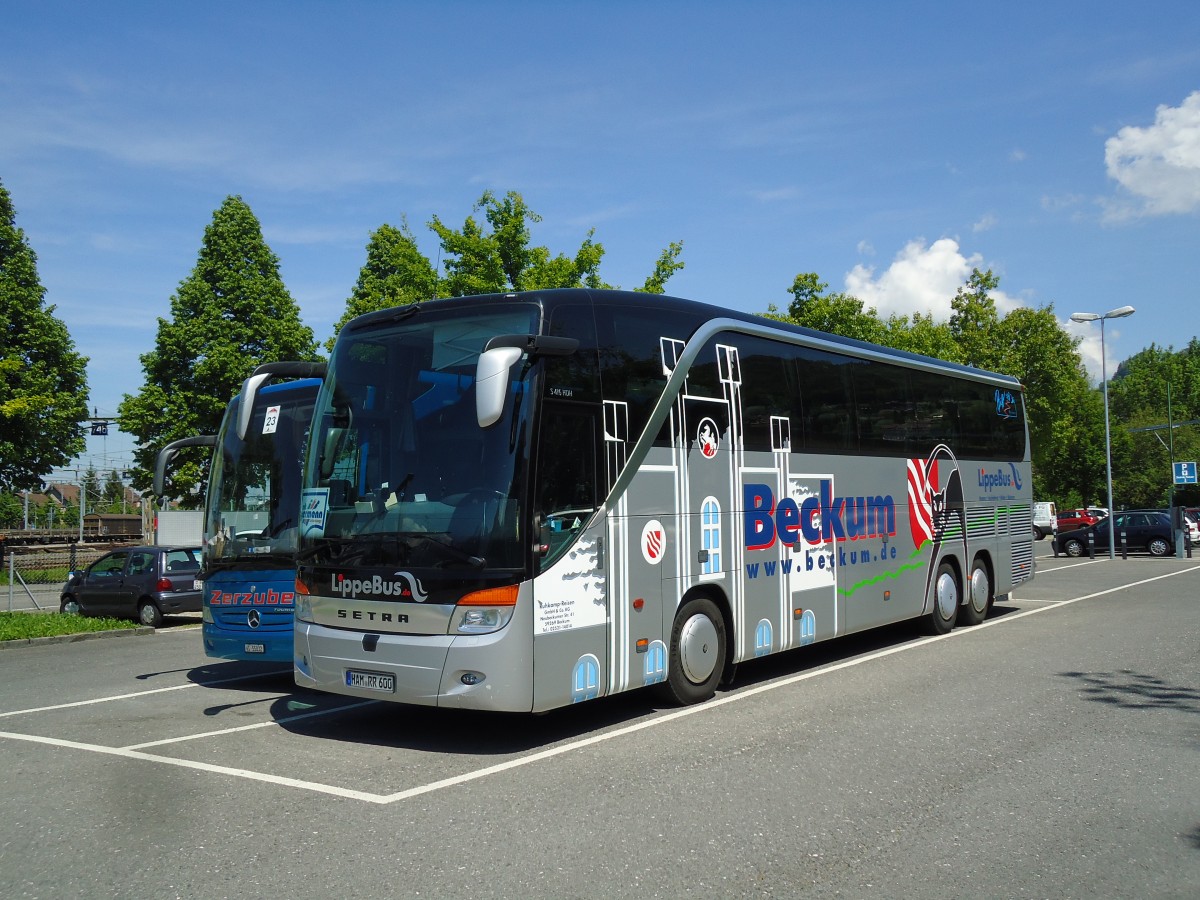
point(1045, 520)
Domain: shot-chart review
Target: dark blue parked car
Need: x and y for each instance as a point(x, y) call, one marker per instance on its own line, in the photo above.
point(136, 582)
point(1143, 529)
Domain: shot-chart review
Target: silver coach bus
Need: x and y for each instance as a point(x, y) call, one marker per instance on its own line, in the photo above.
point(521, 501)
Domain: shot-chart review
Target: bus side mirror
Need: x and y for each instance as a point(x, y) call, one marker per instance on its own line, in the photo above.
point(329, 452)
point(168, 453)
point(491, 383)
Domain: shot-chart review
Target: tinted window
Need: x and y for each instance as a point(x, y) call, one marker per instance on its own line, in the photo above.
point(637, 347)
point(843, 404)
point(573, 377)
point(182, 560)
point(567, 482)
point(827, 388)
point(769, 380)
point(141, 562)
point(113, 564)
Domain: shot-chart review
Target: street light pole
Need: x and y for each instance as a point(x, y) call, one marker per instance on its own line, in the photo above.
point(1119, 313)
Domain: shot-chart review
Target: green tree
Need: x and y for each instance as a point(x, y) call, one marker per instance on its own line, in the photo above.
point(43, 381)
point(231, 314)
point(12, 511)
point(1065, 443)
point(113, 492)
point(668, 264)
point(396, 273)
point(835, 313)
point(492, 254)
point(921, 334)
point(1143, 446)
point(974, 320)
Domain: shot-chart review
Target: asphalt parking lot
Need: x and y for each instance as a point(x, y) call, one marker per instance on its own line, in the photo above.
point(221, 774)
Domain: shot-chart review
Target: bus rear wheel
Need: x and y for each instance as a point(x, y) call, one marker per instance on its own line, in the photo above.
point(979, 600)
point(697, 654)
point(946, 599)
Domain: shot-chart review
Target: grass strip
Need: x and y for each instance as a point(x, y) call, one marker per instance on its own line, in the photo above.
point(24, 625)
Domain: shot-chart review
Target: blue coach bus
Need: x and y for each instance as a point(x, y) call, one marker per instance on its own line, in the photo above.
point(252, 509)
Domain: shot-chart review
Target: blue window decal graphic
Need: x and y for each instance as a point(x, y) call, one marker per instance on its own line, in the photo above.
point(808, 628)
point(762, 638)
point(710, 535)
point(656, 663)
point(586, 679)
point(1006, 404)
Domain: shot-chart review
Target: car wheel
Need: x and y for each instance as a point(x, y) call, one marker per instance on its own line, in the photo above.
point(1073, 547)
point(1158, 547)
point(70, 606)
point(149, 614)
point(697, 653)
point(979, 602)
point(1038, 534)
point(946, 599)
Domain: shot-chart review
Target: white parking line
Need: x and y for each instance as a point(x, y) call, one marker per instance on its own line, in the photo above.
point(201, 766)
point(285, 720)
point(163, 690)
point(539, 756)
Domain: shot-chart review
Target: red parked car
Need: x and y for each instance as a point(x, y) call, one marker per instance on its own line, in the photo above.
point(1071, 519)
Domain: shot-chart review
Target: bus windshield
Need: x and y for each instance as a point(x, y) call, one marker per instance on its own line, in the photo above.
point(400, 471)
point(254, 487)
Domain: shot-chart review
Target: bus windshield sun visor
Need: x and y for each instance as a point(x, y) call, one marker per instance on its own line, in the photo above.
point(534, 344)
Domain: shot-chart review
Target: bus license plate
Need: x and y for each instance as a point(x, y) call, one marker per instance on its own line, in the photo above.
point(197, 585)
point(256, 648)
point(371, 681)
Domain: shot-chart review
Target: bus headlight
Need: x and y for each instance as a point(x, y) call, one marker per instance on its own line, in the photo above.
point(304, 610)
point(484, 611)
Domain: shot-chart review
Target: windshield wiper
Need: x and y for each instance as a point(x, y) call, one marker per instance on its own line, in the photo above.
point(371, 549)
point(475, 562)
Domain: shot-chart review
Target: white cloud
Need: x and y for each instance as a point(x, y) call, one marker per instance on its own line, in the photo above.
point(920, 279)
point(1089, 345)
point(987, 222)
point(1159, 165)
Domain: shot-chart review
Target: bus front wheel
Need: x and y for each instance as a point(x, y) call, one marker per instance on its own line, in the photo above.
point(946, 598)
point(697, 654)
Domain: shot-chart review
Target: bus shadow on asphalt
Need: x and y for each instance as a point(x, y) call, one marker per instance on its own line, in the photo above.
point(475, 733)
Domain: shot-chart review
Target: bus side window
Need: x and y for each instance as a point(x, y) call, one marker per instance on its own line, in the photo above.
point(567, 487)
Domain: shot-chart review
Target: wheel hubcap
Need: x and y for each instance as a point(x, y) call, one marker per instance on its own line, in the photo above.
point(979, 590)
point(698, 648)
point(947, 595)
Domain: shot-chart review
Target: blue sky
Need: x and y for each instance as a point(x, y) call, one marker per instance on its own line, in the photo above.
point(888, 147)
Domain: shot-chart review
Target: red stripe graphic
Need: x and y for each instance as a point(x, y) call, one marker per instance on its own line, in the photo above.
point(922, 482)
point(654, 544)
